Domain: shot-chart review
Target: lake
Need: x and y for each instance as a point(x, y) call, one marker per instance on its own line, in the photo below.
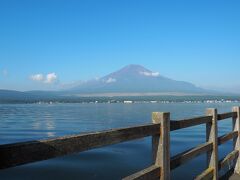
point(24, 122)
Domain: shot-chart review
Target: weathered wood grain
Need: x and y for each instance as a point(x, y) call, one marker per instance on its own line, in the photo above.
point(225, 138)
point(153, 172)
point(185, 123)
point(21, 153)
point(236, 140)
point(212, 136)
point(228, 160)
point(226, 115)
point(161, 144)
point(206, 175)
point(184, 157)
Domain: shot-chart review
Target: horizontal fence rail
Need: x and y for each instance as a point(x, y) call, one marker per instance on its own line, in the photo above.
point(227, 116)
point(184, 157)
point(229, 158)
point(153, 172)
point(206, 175)
point(225, 138)
point(186, 123)
point(21, 153)
point(12, 155)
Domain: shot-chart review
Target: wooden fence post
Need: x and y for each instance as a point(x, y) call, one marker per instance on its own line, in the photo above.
point(236, 141)
point(212, 136)
point(161, 144)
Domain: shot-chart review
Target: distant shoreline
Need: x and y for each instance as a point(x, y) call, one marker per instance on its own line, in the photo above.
point(138, 94)
point(164, 99)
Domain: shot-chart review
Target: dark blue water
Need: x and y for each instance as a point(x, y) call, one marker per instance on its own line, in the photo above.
point(32, 122)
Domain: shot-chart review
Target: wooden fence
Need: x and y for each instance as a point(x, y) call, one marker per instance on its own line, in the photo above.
point(16, 154)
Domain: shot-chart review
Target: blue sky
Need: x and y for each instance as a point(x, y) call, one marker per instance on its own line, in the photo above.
point(195, 41)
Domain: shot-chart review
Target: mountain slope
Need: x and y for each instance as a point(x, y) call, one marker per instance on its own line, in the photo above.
point(8, 94)
point(28, 96)
point(136, 79)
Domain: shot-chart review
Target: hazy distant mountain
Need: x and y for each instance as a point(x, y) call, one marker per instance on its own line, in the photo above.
point(136, 79)
point(8, 94)
point(15, 96)
point(132, 80)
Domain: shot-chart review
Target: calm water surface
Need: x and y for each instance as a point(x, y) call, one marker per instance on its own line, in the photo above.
point(32, 122)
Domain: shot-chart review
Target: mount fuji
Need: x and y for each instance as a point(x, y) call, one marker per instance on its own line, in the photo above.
point(135, 79)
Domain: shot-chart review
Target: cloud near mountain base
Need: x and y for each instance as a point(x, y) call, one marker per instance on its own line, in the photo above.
point(151, 74)
point(47, 79)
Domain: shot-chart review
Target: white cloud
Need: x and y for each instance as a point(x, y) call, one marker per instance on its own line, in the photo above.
point(152, 74)
point(155, 74)
point(51, 78)
point(110, 80)
point(48, 79)
point(37, 77)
